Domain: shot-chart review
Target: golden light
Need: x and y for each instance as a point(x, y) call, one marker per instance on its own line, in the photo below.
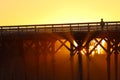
point(98, 50)
point(75, 43)
point(93, 53)
point(83, 51)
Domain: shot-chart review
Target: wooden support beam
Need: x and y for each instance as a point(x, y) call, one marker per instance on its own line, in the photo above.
point(80, 65)
point(72, 60)
point(108, 60)
point(116, 59)
point(60, 46)
point(64, 44)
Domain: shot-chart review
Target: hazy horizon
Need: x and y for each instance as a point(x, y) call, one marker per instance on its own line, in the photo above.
point(14, 12)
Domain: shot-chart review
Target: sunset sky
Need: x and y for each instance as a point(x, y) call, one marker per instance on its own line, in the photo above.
point(17, 12)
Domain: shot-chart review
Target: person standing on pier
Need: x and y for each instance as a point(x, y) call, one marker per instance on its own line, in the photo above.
point(102, 24)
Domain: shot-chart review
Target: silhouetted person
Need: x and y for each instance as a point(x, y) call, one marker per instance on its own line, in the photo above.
point(102, 24)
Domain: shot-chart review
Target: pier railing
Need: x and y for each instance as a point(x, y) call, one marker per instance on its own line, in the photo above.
point(68, 27)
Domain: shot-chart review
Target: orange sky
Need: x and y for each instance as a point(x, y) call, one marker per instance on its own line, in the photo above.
point(15, 12)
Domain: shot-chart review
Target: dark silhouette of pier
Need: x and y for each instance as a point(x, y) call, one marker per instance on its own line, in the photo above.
point(21, 43)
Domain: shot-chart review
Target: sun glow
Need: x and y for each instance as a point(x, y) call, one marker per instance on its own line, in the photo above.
point(75, 43)
point(95, 48)
point(83, 51)
point(51, 11)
